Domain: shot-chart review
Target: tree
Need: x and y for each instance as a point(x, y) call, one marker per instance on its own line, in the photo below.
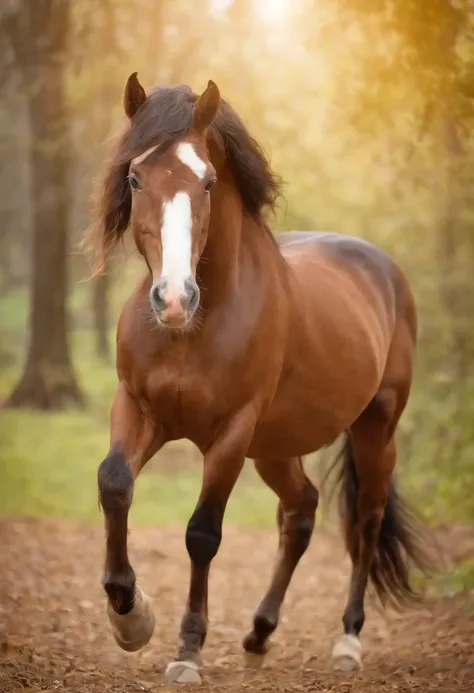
point(96, 51)
point(38, 31)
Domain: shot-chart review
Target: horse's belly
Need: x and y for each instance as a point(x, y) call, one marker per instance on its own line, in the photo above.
point(310, 412)
point(281, 439)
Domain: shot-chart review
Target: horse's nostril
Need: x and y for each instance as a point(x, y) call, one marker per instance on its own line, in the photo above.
point(191, 294)
point(157, 292)
point(191, 298)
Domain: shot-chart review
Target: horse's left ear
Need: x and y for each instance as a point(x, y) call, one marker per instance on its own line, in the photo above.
point(206, 108)
point(134, 95)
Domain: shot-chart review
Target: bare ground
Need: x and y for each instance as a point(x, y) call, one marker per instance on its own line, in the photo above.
point(54, 635)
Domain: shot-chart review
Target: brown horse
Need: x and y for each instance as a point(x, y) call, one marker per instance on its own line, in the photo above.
point(248, 348)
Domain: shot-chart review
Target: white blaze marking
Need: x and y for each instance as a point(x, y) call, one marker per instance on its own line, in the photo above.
point(176, 240)
point(141, 157)
point(186, 154)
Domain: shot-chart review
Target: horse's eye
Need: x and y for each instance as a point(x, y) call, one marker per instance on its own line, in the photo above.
point(209, 185)
point(133, 182)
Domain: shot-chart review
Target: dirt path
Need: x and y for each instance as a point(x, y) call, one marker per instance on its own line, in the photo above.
point(54, 635)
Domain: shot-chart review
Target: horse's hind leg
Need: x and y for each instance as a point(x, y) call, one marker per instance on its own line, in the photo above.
point(133, 442)
point(374, 527)
point(296, 515)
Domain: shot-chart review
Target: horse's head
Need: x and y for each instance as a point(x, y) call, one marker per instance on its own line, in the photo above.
point(159, 183)
point(170, 206)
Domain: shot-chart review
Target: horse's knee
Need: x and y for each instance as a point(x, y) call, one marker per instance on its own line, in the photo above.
point(115, 481)
point(204, 533)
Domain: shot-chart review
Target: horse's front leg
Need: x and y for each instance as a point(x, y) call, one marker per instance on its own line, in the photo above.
point(133, 440)
point(223, 462)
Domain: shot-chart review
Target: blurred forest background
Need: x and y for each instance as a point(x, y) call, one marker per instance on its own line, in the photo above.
point(365, 108)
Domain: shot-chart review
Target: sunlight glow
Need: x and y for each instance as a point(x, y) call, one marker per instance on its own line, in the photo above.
point(219, 6)
point(271, 11)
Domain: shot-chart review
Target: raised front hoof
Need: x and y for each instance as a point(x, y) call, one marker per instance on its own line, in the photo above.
point(346, 655)
point(183, 672)
point(133, 631)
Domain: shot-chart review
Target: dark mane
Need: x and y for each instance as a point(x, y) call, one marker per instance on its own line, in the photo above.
point(165, 117)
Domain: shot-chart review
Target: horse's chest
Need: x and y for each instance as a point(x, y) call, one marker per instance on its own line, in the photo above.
point(185, 401)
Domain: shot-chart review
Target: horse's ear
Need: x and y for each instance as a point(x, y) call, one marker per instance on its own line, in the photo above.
point(206, 108)
point(134, 95)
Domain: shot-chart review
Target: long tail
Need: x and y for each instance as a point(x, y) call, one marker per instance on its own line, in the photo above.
point(403, 542)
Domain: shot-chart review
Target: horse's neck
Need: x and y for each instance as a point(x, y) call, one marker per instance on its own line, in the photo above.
point(219, 266)
point(234, 241)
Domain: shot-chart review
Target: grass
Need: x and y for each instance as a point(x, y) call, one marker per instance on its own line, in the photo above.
point(49, 461)
point(49, 468)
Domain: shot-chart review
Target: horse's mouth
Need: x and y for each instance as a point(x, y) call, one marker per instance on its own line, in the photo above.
point(175, 322)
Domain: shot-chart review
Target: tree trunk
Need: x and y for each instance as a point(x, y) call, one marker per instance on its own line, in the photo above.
point(100, 293)
point(101, 118)
point(48, 380)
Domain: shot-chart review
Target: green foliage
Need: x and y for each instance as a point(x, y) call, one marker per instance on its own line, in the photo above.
point(461, 578)
point(49, 461)
point(436, 451)
point(49, 468)
point(450, 583)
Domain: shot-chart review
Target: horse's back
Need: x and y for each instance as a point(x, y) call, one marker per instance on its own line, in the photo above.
point(353, 250)
point(368, 266)
point(348, 250)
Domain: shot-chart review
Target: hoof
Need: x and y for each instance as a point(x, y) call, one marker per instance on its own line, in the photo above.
point(183, 672)
point(254, 645)
point(254, 651)
point(132, 631)
point(346, 655)
point(253, 660)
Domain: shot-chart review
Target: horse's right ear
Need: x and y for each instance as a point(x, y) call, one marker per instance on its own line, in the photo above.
point(134, 95)
point(206, 108)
